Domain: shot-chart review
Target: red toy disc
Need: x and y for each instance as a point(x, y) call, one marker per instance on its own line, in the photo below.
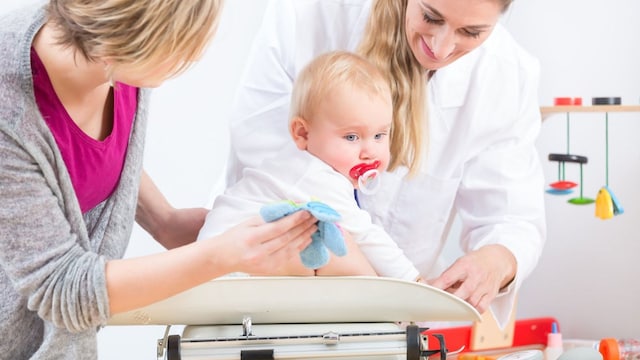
point(563, 185)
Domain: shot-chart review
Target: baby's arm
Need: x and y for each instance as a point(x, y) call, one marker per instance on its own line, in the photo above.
point(354, 263)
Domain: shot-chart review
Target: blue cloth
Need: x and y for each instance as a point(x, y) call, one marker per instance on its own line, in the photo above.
point(327, 237)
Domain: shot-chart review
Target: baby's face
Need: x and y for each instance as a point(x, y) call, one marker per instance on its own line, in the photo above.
point(351, 127)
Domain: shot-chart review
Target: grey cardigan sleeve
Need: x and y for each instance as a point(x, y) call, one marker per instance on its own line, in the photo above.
point(45, 259)
point(52, 255)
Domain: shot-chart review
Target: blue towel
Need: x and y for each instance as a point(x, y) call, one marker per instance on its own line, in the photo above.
point(327, 237)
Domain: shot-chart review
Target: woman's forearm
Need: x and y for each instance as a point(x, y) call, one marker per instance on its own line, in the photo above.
point(153, 209)
point(136, 282)
point(169, 226)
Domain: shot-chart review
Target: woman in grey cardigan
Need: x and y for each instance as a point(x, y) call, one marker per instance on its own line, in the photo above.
point(73, 110)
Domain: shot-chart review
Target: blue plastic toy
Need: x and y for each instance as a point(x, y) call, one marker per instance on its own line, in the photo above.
point(327, 237)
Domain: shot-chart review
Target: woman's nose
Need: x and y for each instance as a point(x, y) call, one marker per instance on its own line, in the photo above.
point(443, 43)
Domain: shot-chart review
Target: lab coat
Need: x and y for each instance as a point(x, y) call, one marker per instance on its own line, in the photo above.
point(481, 162)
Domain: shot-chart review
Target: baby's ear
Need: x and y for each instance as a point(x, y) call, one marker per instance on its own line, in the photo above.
point(298, 127)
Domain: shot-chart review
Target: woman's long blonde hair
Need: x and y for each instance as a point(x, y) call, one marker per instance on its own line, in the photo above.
point(385, 44)
point(137, 33)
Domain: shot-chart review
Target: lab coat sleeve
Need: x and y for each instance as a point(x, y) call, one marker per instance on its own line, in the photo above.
point(259, 116)
point(384, 255)
point(501, 197)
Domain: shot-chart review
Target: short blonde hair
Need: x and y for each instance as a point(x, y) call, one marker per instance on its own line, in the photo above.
point(330, 71)
point(137, 33)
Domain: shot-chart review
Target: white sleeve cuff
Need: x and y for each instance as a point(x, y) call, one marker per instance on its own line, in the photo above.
point(503, 305)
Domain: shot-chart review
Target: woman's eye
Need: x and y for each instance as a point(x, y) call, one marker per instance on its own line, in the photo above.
point(431, 20)
point(379, 136)
point(351, 137)
point(471, 34)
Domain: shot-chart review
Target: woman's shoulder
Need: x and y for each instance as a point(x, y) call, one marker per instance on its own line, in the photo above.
point(321, 9)
point(320, 25)
point(499, 66)
point(323, 3)
point(17, 29)
point(503, 47)
point(20, 25)
point(500, 58)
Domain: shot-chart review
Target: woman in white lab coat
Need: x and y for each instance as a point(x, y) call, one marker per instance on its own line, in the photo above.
point(473, 154)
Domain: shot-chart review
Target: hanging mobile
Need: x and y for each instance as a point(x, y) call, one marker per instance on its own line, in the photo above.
point(563, 186)
point(607, 204)
point(563, 158)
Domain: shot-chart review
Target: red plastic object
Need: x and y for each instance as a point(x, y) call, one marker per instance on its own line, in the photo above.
point(526, 332)
point(562, 101)
point(563, 185)
point(360, 169)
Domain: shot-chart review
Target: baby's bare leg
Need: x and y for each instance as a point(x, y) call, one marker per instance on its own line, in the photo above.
point(353, 263)
point(293, 267)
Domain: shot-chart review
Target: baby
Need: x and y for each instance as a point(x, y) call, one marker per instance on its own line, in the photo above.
point(341, 116)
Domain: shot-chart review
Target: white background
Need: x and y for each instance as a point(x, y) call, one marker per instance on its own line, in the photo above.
point(588, 275)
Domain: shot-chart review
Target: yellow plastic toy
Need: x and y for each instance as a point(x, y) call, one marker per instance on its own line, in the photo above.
point(604, 205)
point(607, 205)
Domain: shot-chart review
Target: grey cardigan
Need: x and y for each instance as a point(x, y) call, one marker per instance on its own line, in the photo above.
point(52, 258)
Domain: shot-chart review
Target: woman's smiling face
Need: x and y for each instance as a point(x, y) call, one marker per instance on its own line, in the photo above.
point(441, 31)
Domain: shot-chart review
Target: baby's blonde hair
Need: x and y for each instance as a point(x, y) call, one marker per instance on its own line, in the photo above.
point(330, 71)
point(137, 33)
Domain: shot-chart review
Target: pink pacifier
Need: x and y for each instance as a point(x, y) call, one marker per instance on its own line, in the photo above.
point(367, 176)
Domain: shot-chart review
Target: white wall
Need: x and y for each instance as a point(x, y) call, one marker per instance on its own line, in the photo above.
point(586, 277)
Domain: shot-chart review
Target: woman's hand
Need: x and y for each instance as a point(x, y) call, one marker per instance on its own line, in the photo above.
point(260, 248)
point(478, 276)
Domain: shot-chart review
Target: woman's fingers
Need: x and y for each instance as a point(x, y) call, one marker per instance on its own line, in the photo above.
point(257, 247)
point(294, 232)
point(477, 276)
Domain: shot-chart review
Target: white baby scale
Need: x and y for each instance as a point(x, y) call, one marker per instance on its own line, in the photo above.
point(259, 318)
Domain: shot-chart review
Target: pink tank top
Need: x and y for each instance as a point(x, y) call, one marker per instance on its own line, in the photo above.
point(94, 166)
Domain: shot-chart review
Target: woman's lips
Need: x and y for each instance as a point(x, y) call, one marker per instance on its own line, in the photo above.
point(427, 50)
